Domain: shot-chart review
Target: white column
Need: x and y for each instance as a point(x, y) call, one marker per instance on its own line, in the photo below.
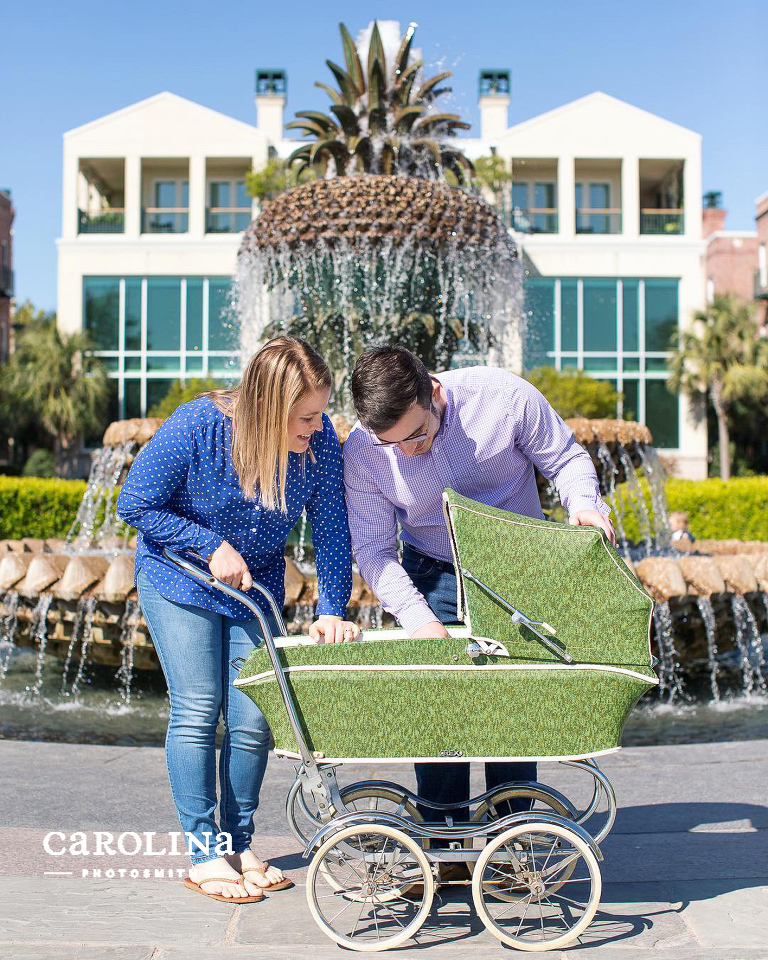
point(69, 194)
point(630, 196)
point(566, 200)
point(133, 198)
point(197, 196)
point(692, 196)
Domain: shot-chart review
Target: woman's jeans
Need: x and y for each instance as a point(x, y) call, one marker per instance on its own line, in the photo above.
point(195, 647)
point(449, 782)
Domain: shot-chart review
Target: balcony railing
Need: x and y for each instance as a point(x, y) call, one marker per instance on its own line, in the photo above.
point(165, 220)
point(111, 221)
point(532, 220)
point(761, 286)
point(227, 219)
point(593, 220)
point(658, 221)
point(6, 281)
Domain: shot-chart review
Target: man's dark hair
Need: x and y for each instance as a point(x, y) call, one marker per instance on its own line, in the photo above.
point(386, 382)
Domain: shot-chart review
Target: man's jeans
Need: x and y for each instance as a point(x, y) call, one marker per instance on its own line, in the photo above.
point(195, 647)
point(449, 782)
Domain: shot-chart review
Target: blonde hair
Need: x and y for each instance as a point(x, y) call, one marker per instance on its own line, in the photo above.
point(280, 375)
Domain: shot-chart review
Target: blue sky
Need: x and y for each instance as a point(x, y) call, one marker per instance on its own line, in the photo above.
point(698, 63)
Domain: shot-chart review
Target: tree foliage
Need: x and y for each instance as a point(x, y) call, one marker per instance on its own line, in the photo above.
point(574, 393)
point(273, 179)
point(493, 174)
point(182, 391)
point(724, 359)
point(53, 378)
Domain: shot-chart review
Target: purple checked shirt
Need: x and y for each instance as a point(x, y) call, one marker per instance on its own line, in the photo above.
point(496, 426)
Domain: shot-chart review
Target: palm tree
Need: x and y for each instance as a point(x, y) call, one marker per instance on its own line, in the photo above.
point(53, 376)
point(382, 121)
point(724, 358)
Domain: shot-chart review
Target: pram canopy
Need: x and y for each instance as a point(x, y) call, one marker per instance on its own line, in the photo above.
point(554, 653)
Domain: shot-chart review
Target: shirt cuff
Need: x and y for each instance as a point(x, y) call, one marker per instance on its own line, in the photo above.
point(577, 504)
point(416, 617)
point(208, 542)
point(329, 608)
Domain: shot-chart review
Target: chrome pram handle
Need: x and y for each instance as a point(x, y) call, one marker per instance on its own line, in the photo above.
point(205, 576)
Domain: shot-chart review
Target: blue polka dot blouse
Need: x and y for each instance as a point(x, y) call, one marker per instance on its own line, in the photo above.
point(182, 492)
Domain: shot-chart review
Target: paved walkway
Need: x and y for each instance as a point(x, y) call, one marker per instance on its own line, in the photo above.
point(685, 875)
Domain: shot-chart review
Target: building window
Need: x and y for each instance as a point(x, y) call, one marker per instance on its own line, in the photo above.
point(101, 299)
point(150, 331)
point(170, 213)
point(534, 207)
point(617, 329)
point(594, 213)
point(229, 207)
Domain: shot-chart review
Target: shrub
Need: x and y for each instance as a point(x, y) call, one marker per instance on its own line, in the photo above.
point(39, 464)
point(735, 509)
point(574, 393)
point(31, 507)
point(181, 392)
point(723, 509)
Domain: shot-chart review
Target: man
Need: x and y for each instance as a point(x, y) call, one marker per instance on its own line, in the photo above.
point(480, 431)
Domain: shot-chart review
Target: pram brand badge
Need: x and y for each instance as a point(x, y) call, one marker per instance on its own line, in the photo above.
point(451, 753)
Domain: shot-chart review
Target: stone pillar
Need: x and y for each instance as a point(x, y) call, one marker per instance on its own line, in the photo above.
point(197, 196)
point(630, 197)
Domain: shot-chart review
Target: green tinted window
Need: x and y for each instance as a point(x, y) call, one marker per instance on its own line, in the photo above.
point(156, 391)
point(194, 313)
point(660, 314)
point(132, 394)
point(631, 314)
point(599, 314)
point(661, 414)
point(133, 313)
point(631, 404)
point(569, 334)
point(540, 320)
point(221, 329)
point(101, 305)
point(163, 313)
point(600, 363)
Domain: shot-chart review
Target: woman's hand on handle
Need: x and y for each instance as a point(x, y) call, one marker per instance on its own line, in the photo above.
point(226, 564)
point(327, 629)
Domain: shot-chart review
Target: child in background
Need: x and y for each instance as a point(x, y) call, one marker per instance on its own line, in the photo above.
point(678, 523)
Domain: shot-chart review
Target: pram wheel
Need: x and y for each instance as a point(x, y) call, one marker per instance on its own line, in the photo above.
point(356, 885)
point(536, 886)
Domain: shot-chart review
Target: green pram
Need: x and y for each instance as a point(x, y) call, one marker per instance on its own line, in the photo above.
point(554, 653)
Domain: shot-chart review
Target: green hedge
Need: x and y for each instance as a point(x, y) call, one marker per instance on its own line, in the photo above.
point(31, 507)
point(717, 510)
point(723, 509)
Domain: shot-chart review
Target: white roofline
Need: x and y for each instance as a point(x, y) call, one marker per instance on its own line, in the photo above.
point(763, 196)
point(582, 101)
point(165, 95)
point(748, 234)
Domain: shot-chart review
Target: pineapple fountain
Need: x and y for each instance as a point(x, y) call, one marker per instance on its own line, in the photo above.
point(379, 246)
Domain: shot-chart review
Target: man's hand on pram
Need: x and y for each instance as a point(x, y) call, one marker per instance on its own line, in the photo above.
point(591, 518)
point(226, 564)
point(327, 629)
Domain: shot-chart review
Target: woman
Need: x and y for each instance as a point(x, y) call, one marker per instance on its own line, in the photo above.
point(227, 476)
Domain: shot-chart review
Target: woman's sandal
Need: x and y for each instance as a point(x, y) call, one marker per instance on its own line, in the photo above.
point(283, 884)
point(197, 887)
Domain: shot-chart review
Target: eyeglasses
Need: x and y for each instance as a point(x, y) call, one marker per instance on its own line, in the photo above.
point(416, 439)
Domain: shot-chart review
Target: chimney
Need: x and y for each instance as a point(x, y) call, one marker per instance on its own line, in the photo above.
point(712, 219)
point(271, 88)
point(494, 103)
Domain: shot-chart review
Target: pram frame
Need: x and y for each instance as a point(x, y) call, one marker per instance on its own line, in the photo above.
point(317, 779)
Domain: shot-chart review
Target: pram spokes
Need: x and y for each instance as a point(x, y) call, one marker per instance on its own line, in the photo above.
point(535, 874)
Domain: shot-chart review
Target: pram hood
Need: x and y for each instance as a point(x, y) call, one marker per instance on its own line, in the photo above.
point(567, 576)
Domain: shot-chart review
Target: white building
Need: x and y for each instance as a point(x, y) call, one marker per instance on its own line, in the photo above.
point(605, 205)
